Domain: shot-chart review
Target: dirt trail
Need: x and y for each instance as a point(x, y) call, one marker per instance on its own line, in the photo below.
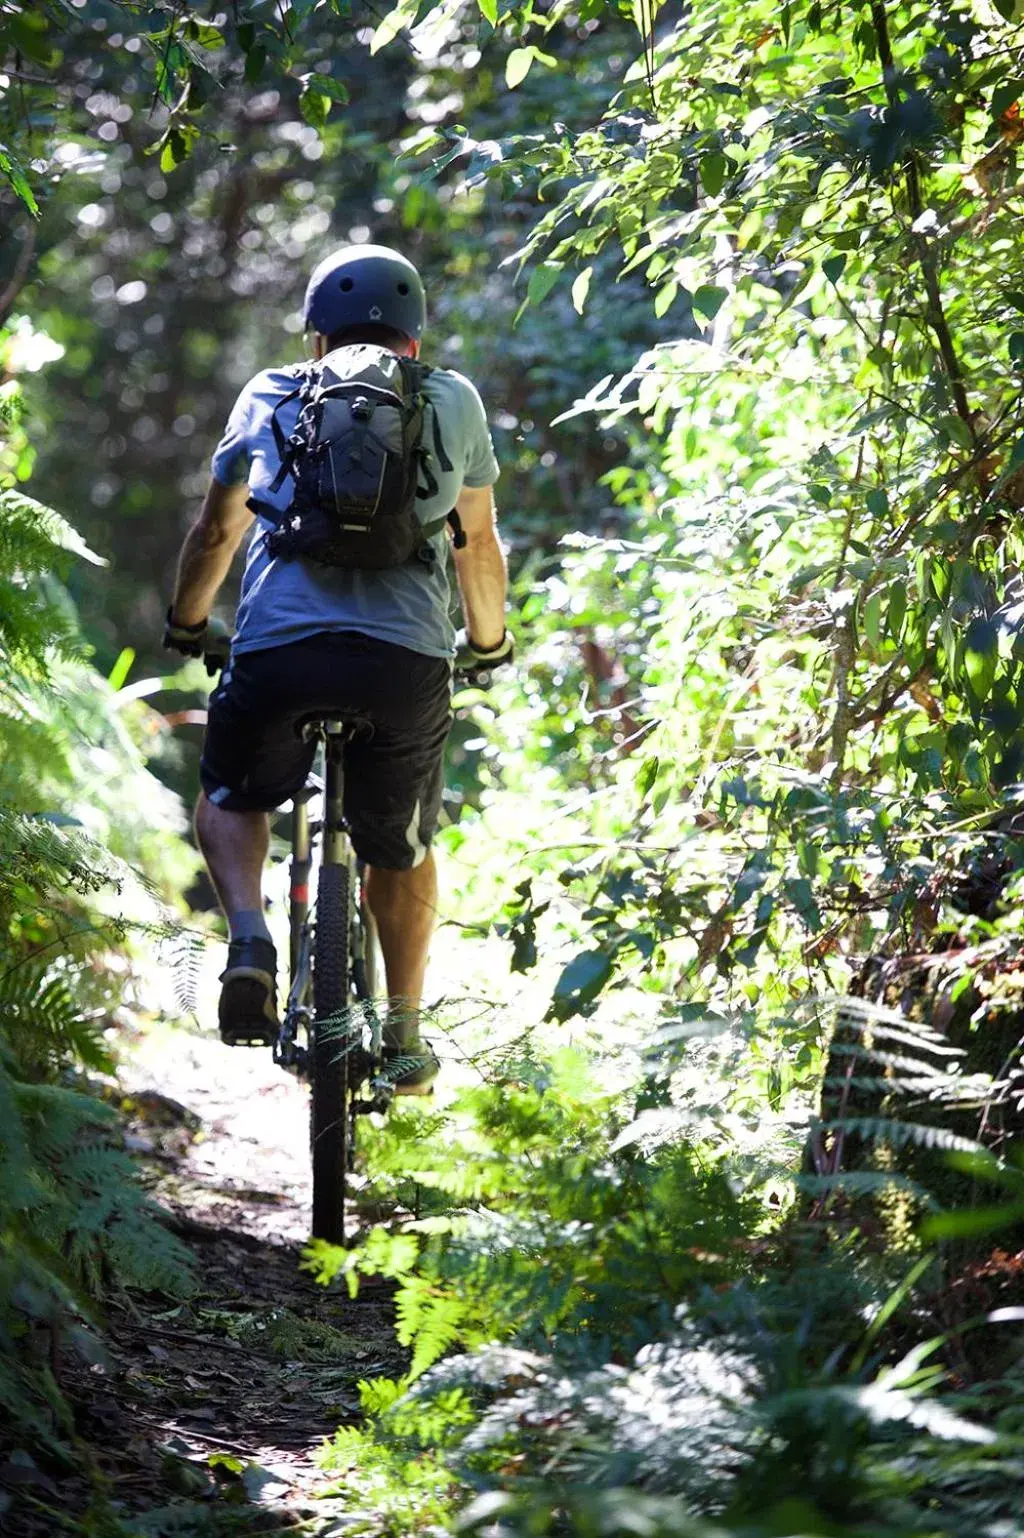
point(206, 1416)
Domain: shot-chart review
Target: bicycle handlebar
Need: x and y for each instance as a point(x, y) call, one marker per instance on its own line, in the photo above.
point(216, 656)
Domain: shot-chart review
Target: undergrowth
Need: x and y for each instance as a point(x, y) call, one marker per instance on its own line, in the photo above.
point(81, 866)
point(619, 1330)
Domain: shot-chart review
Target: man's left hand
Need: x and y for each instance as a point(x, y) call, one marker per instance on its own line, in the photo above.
point(471, 657)
point(190, 640)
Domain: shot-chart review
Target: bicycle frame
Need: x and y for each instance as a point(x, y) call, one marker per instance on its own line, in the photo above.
point(367, 1058)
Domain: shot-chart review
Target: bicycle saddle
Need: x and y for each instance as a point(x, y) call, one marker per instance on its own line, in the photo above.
point(326, 723)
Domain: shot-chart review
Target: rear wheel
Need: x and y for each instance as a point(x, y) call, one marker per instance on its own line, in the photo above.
point(330, 1053)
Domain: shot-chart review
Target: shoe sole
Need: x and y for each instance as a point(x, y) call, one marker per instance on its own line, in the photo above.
point(246, 1013)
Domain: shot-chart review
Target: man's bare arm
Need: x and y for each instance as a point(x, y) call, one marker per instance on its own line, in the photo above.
point(480, 568)
point(209, 547)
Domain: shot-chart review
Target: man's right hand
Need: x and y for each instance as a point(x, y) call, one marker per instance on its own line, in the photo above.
point(471, 657)
point(190, 640)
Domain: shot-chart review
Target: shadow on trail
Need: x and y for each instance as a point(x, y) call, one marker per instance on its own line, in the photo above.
point(205, 1414)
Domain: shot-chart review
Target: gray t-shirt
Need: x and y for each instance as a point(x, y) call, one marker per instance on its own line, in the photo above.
point(284, 601)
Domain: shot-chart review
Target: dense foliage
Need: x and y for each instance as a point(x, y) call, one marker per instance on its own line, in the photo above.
point(87, 846)
point(759, 307)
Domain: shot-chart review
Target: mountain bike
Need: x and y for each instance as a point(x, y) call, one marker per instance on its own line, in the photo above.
point(331, 1030)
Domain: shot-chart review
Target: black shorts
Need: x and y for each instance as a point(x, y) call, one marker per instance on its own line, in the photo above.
point(254, 759)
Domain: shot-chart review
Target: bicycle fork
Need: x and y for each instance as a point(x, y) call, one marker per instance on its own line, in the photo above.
point(288, 1052)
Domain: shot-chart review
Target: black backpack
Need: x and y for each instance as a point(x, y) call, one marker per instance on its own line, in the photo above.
point(356, 456)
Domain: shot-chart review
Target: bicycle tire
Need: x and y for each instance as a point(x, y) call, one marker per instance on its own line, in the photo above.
point(329, 1056)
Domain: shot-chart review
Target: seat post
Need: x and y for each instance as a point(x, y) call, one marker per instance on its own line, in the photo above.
point(334, 796)
point(299, 876)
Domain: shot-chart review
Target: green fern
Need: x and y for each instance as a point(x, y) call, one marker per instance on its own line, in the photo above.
point(74, 1223)
point(900, 1134)
point(36, 619)
point(44, 1022)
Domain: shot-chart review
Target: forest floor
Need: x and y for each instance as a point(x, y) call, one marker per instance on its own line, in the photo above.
point(204, 1416)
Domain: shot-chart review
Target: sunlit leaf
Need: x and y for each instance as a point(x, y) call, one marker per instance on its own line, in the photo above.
point(713, 170)
point(981, 649)
point(13, 171)
point(580, 289)
point(403, 15)
point(517, 66)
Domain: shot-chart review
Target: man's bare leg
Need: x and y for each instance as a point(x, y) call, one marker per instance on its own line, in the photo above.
point(235, 845)
point(404, 906)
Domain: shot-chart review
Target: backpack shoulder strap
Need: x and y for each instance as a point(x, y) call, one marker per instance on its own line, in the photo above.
point(416, 375)
point(285, 450)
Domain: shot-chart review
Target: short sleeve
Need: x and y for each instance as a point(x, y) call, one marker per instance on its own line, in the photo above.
point(230, 461)
point(481, 465)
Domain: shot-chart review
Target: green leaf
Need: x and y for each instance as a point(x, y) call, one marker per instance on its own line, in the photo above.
point(315, 107)
point(255, 59)
point(877, 502)
point(542, 281)
point(517, 66)
point(387, 30)
point(871, 619)
point(489, 11)
point(226, 1461)
point(957, 429)
point(833, 267)
point(665, 297)
point(1005, 95)
point(12, 170)
point(178, 145)
point(897, 610)
point(713, 170)
point(647, 775)
point(580, 289)
point(1006, 8)
point(580, 982)
point(801, 895)
point(969, 1224)
point(328, 86)
point(1016, 347)
point(709, 300)
point(981, 647)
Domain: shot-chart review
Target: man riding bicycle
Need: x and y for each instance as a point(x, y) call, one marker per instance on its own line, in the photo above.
point(318, 632)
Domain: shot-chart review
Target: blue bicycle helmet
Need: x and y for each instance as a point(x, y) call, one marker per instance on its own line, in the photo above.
point(365, 285)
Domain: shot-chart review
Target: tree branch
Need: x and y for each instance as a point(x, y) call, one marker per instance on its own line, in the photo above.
point(935, 312)
point(8, 297)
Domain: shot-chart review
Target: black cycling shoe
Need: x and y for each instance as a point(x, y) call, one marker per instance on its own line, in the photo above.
point(248, 1011)
point(412, 1068)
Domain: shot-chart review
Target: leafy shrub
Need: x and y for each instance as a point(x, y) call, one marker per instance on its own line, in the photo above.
point(86, 848)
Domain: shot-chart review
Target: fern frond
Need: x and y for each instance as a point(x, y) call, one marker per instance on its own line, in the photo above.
point(41, 1018)
point(863, 1183)
point(899, 1134)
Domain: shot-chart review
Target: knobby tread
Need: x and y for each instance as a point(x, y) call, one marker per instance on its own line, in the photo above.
point(329, 1126)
